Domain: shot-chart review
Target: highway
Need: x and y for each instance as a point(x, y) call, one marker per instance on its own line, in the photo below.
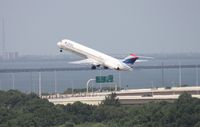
point(124, 100)
point(17, 70)
point(130, 96)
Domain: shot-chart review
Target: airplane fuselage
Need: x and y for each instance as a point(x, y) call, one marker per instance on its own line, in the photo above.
point(101, 58)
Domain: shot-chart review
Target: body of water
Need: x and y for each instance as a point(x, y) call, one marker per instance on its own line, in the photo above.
point(144, 78)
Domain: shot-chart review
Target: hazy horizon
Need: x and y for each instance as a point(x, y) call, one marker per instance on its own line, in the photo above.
point(131, 26)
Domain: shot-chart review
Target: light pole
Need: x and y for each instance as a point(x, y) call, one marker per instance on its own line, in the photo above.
point(173, 85)
point(40, 89)
point(88, 83)
point(180, 75)
point(31, 82)
point(55, 82)
point(120, 81)
point(100, 82)
point(72, 82)
point(152, 87)
point(0, 85)
point(13, 81)
point(162, 69)
point(197, 75)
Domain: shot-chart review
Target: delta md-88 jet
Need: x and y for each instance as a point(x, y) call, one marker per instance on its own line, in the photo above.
point(96, 58)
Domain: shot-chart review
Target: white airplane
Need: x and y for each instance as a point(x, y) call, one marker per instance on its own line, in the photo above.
point(96, 58)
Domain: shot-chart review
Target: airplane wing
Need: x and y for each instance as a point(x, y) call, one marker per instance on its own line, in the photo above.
point(86, 61)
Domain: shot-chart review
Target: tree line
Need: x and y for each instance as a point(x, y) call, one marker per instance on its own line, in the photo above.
point(28, 110)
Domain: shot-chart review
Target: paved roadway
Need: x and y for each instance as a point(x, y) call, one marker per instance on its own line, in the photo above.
point(131, 96)
point(17, 70)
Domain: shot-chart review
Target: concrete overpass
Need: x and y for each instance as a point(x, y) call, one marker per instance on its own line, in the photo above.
point(131, 96)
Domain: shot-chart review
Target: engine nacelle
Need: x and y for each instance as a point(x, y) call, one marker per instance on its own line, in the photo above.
point(93, 67)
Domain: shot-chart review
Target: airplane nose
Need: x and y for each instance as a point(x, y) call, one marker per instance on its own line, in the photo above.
point(59, 44)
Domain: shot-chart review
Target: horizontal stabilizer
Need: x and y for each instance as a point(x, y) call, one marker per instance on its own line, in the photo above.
point(146, 57)
point(138, 61)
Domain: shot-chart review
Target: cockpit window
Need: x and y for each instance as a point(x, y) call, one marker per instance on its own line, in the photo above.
point(68, 44)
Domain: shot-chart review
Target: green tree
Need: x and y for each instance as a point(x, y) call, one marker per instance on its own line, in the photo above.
point(111, 100)
point(79, 112)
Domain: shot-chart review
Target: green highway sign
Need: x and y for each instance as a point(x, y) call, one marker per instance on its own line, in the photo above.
point(104, 79)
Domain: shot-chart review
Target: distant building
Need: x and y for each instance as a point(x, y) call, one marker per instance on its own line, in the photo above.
point(9, 56)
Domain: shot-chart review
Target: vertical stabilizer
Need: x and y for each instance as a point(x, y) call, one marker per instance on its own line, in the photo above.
point(130, 59)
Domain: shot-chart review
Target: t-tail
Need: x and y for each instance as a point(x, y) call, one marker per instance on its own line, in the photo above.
point(130, 60)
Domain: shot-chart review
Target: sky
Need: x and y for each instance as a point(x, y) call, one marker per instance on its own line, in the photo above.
point(33, 27)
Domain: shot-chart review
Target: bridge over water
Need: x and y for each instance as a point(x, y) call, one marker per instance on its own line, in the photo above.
point(17, 70)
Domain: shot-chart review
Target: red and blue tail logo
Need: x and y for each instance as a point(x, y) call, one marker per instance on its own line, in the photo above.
point(130, 59)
